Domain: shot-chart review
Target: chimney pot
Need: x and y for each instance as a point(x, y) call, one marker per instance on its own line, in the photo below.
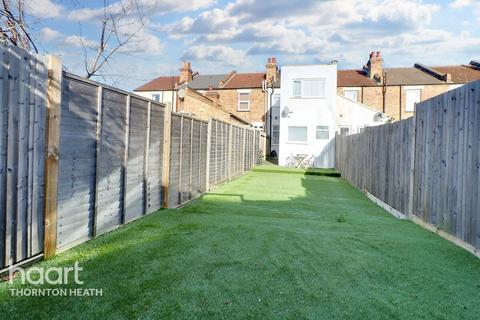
point(379, 54)
point(371, 54)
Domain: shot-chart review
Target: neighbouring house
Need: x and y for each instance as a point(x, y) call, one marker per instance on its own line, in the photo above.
point(395, 91)
point(205, 106)
point(311, 112)
point(243, 95)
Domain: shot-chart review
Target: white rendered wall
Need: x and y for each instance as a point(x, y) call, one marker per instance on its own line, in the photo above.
point(309, 112)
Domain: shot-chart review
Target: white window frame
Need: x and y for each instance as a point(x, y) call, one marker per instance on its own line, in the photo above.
point(323, 130)
point(300, 141)
point(238, 100)
point(356, 90)
point(302, 95)
point(407, 88)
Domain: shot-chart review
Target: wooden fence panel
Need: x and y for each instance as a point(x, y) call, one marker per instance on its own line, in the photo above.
point(447, 163)
point(379, 161)
point(155, 158)
point(22, 141)
point(427, 166)
point(77, 173)
point(137, 148)
point(110, 159)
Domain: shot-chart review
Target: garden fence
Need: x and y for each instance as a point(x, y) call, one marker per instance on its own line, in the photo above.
point(427, 167)
point(79, 158)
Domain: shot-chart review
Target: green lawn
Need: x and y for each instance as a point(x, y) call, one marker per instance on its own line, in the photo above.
point(267, 246)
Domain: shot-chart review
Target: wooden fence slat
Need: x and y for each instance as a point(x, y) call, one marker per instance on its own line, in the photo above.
point(4, 117)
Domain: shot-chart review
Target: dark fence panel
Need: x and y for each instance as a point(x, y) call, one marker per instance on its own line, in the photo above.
point(427, 167)
point(22, 144)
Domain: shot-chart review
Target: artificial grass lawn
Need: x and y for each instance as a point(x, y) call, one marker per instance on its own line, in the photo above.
point(267, 246)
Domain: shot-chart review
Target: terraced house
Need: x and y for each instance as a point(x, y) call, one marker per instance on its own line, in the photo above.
point(243, 96)
point(395, 91)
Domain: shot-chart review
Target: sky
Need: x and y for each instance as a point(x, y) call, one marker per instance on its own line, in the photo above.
point(221, 36)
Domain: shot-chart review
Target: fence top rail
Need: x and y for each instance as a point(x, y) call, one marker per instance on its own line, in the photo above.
point(183, 115)
point(67, 74)
point(237, 126)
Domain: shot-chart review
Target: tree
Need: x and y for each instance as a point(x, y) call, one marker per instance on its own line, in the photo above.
point(13, 28)
point(119, 24)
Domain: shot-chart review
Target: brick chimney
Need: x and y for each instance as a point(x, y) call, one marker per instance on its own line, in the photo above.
point(271, 70)
point(186, 74)
point(213, 95)
point(375, 66)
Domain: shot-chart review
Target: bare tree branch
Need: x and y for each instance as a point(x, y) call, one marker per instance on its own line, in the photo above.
point(13, 28)
point(112, 39)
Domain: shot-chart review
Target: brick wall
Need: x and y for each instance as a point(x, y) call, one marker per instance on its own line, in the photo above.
point(203, 108)
point(373, 97)
point(229, 101)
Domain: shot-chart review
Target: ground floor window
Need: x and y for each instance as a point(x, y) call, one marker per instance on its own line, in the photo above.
point(322, 133)
point(156, 97)
point(351, 94)
point(297, 134)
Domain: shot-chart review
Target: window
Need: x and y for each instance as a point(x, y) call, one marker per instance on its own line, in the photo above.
point(297, 88)
point(276, 100)
point(344, 131)
point(156, 97)
point(351, 94)
point(413, 96)
point(309, 88)
point(243, 101)
point(322, 133)
point(275, 134)
point(297, 134)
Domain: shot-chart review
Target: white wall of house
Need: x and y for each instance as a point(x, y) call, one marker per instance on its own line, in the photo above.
point(308, 114)
point(167, 97)
point(353, 117)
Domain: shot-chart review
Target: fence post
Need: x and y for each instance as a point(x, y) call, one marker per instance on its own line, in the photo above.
point(191, 160)
point(145, 161)
point(97, 157)
point(209, 147)
point(412, 166)
point(244, 132)
point(229, 159)
point(125, 157)
point(52, 133)
point(167, 139)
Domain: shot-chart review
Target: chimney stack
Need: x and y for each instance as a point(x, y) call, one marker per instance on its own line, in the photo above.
point(375, 66)
point(213, 95)
point(186, 74)
point(271, 70)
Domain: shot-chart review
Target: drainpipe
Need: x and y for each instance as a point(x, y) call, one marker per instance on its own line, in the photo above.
point(270, 115)
point(384, 90)
point(400, 103)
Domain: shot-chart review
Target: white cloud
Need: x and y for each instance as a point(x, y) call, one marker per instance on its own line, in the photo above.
point(217, 53)
point(461, 3)
point(48, 34)
point(147, 7)
point(78, 41)
point(43, 8)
